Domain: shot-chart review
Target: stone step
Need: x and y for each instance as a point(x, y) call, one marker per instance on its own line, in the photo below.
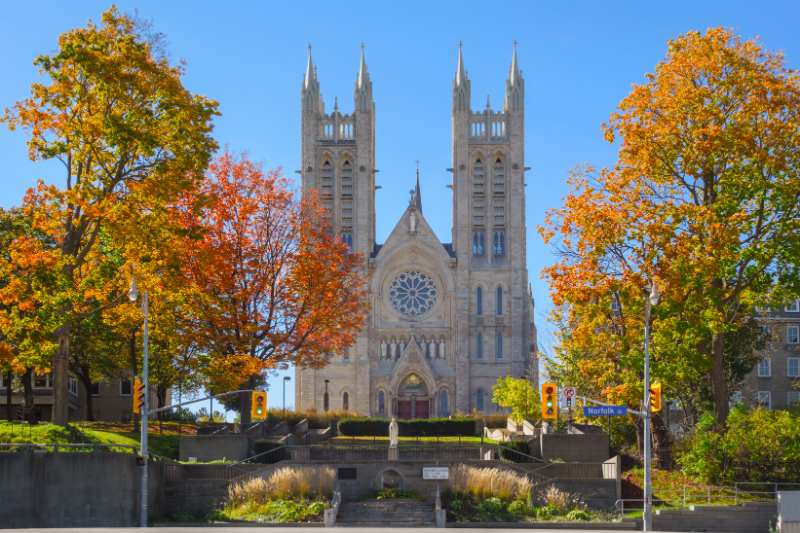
point(340, 523)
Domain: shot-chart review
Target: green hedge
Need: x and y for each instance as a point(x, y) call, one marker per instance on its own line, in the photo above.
point(435, 427)
point(261, 446)
point(519, 445)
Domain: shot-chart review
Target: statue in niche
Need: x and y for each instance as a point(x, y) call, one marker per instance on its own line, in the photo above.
point(422, 346)
point(412, 223)
point(393, 349)
point(402, 345)
point(441, 348)
point(383, 349)
point(432, 348)
point(394, 432)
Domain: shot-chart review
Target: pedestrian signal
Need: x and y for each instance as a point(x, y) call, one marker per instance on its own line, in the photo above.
point(549, 408)
point(655, 397)
point(258, 405)
point(139, 397)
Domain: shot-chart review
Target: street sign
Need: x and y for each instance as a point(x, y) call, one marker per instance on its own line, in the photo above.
point(605, 410)
point(569, 392)
point(435, 472)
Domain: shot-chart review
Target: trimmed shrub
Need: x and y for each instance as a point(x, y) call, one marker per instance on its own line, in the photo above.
point(435, 427)
point(262, 446)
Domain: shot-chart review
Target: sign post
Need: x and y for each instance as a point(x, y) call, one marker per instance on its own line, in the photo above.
point(435, 472)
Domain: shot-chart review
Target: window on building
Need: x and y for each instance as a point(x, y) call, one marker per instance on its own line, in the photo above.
point(41, 380)
point(125, 416)
point(346, 355)
point(477, 243)
point(614, 304)
point(764, 370)
point(381, 402)
point(95, 390)
point(345, 402)
point(736, 397)
point(72, 385)
point(325, 402)
point(347, 238)
point(480, 345)
point(794, 399)
point(793, 307)
point(675, 405)
point(480, 400)
point(793, 334)
point(499, 181)
point(444, 402)
point(479, 298)
point(499, 301)
point(499, 345)
point(499, 243)
point(765, 399)
point(794, 367)
point(125, 387)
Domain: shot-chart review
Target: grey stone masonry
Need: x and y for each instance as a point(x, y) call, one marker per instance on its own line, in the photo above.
point(446, 319)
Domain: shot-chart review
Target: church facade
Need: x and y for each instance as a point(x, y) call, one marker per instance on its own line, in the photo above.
point(446, 319)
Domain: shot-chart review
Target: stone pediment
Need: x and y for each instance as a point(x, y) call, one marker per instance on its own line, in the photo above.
point(423, 236)
point(411, 361)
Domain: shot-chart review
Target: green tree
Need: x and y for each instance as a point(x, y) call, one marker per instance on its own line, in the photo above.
point(518, 394)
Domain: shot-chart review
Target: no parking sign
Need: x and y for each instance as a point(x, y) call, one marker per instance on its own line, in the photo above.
point(569, 393)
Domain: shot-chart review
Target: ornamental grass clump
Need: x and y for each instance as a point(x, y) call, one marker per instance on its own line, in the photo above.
point(285, 483)
point(489, 482)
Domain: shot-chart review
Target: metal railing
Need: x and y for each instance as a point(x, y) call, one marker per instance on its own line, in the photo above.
point(56, 448)
point(424, 452)
point(693, 494)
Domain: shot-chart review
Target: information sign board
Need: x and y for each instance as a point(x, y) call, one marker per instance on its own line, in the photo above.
point(435, 472)
point(605, 410)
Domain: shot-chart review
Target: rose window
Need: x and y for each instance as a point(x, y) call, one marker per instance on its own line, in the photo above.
point(412, 293)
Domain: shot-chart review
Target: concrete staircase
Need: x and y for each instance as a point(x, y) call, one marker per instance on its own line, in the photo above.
point(751, 517)
point(387, 513)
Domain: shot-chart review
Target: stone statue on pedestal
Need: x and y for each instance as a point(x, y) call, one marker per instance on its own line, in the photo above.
point(402, 345)
point(393, 349)
point(383, 349)
point(412, 223)
point(441, 349)
point(423, 347)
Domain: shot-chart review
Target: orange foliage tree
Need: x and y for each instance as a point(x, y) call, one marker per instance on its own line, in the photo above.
point(131, 139)
point(705, 198)
point(265, 284)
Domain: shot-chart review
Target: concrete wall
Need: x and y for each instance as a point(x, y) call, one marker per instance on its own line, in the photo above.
point(597, 493)
point(574, 448)
point(215, 447)
point(40, 490)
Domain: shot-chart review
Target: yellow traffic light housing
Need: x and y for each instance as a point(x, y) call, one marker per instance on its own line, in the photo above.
point(258, 405)
point(138, 396)
point(549, 407)
point(655, 397)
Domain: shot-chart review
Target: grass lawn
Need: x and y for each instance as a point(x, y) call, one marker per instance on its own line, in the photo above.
point(165, 444)
point(413, 440)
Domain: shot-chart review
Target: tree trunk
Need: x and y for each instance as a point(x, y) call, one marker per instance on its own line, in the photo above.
point(246, 399)
point(132, 345)
point(86, 381)
point(161, 396)
point(719, 388)
point(9, 380)
point(29, 408)
point(60, 376)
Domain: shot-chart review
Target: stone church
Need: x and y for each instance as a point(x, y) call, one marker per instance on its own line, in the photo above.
point(447, 318)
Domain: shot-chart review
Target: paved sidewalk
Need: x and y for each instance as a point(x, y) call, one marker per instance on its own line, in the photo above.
point(294, 530)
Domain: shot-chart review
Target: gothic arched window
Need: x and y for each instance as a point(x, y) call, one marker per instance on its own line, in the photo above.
point(477, 243)
point(499, 345)
point(444, 402)
point(479, 298)
point(345, 401)
point(381, 402)
point(499, 301)
point(480, 346)
point(478, 183)
point(480, 400)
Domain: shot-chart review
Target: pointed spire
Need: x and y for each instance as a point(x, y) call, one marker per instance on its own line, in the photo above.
point(461, 74)
point(417, 195)
point(363, 74)
point(311, 71)
point(336, 103)
point(515, 74)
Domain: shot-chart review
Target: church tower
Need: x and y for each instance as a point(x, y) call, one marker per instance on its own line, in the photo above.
point(489, 237)
point(338, 154)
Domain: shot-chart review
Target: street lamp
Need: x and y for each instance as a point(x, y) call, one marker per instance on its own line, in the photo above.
point(653, 299)
point(133, 295)
point(285, 379)
point(325, 401)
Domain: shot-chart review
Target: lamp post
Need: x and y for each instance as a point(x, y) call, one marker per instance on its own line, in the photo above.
point(653, 299)
point(133, 295)
point(181, 373)
point(285, 379)
point(325, 400)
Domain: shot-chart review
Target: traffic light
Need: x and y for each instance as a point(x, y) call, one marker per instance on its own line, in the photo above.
point(138, 396)
point(655, 397)
point(549, 408)
point(258, 405)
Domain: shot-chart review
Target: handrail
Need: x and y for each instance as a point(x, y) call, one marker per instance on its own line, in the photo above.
point(524, 454)
point(56, 446)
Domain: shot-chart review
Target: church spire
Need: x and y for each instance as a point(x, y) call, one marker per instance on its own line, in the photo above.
point(515, 85)
point(309, 91)
point(514, 76)
point(417, 194)
point(311, 73)
point(461, 74)
point(363, 89)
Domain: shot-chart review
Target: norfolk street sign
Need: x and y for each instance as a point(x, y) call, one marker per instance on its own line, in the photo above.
point(605, 410)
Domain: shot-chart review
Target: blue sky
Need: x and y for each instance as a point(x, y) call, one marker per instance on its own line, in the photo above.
point(579, 59)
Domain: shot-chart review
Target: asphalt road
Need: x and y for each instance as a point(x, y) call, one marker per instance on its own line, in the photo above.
point(216, 529)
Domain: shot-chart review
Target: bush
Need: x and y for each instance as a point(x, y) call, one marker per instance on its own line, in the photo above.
point(491, 505)
point(488, 482)
point(263, 446)
point(496, 421)
point(578, 515)
point(759, 445)
point(287, 482)
point(521, 446)
point(379, 427)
